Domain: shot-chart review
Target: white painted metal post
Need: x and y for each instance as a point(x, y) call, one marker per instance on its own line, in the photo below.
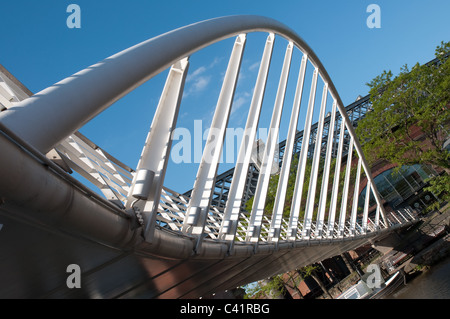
point(401, 215)
point(151, 170)
point(310, 200)
point(233, 206)
point(360, 153)
point(280, 197)
point(335, 189)
point(259, 199)
point(198, 209)
point(355, 199)
point(377, 217)
point(326, 174)
point(298, 188)
point(343, 212)
point(366, 207)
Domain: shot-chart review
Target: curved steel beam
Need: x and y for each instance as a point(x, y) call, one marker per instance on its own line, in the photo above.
point(51, 115)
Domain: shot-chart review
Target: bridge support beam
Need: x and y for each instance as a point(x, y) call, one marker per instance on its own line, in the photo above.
point(232, 210)
point(366, 207)
point(201, 196)
point(343, 210)
point(298, 188)
point(310, 200)
point(326, 175)
point(254, 227)
point(151, 170)
point(335, 187)
point(277, 215)
point(355, 200)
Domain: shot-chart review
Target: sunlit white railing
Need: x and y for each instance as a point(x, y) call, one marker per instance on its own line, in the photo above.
point(114, 179)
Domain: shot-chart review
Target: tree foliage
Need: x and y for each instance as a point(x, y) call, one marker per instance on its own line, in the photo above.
point(275, 286)
point(271, 288)
point(415, 101)
point(308, 270)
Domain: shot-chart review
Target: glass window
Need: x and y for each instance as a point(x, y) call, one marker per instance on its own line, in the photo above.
point(397, 186)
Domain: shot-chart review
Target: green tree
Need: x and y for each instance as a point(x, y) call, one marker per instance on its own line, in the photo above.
point(415, 99)
point(311, 270)
point(272, 288)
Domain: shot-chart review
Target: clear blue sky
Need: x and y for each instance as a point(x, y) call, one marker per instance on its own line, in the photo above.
point(38, 48)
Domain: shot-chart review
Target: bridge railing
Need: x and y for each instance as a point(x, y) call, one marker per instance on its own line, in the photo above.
point(112, 177)
point(173, 211)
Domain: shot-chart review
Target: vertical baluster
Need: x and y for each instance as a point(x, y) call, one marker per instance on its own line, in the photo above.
point(310, 200)
point(233, 206)
point(298, 188)
point(335, 189)
point(287, 158)
point(200, 202)
point(366, 207)
point(259, 200)
point(326, 174)
point(355, 199)
point(151, 170)
point(343, 212)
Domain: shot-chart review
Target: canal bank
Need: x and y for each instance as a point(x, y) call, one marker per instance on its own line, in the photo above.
point(424, 245)
point(421, 253)
point(428, 283)
point(427, 272)
point(414, 252)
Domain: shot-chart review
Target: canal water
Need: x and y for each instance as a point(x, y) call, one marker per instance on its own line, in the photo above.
point(433, 284)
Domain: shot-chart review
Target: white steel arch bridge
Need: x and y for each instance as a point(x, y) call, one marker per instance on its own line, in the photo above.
point(145, 240)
